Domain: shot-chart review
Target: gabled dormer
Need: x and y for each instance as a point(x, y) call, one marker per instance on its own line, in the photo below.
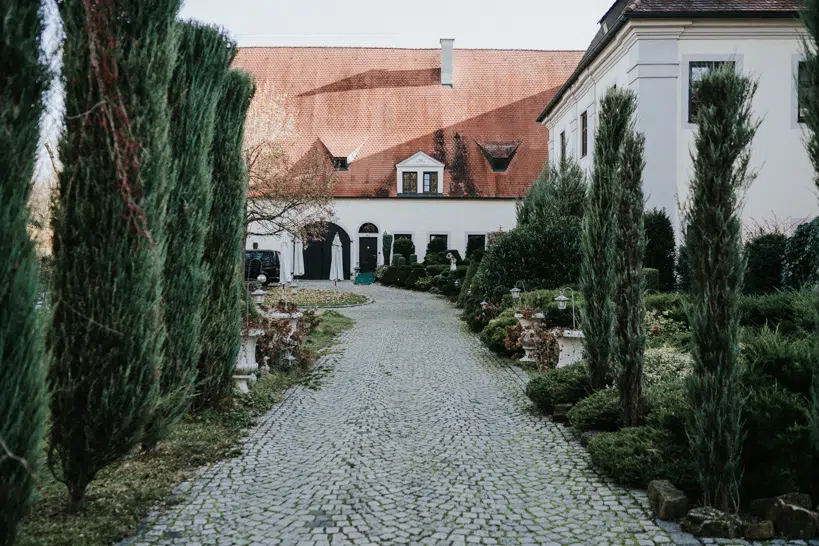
point(420, 175)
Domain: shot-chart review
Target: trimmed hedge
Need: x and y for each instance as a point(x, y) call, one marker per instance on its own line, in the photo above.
point(494, 335)
point(403, 274)
point(390, 276)
point(667, 407)
point(764, 257)
point(403, 247)
point(567, 385)
point(600, 411)
point(801, 256)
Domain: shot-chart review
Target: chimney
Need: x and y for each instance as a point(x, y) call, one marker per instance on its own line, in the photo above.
point(447, 45)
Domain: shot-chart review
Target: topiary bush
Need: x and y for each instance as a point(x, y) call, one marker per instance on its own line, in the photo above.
point(519, 255)
point(660, 247)
point(667, 407)
point(403, 247)
point(413, 259)
point(435, 270)
point(636, 455)
point(801, 256)
point(466, 287)
point(494, 335)
point(390, 276)
point(404, 272)
point(600, 411)
point(416, 273)
point(567, 385)
point(682, 271)
point(764, 256)
point(436, 244)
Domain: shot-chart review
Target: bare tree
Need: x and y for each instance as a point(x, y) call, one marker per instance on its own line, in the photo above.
point(285, 195)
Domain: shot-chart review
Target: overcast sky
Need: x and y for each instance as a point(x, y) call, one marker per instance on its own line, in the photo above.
point(498, 24)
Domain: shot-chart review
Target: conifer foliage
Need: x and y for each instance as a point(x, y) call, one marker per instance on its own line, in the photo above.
point(221, 329)
point(22, 379)
point(202, 64)
point(628, 264)
point(597, 277)
point(107, 335)
point(721, 153)
point(809, 90)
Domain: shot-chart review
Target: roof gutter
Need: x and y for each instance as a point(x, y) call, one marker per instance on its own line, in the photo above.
point(607, 39)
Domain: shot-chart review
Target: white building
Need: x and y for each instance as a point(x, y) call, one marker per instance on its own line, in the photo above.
point(656, 48)
point(380, 116)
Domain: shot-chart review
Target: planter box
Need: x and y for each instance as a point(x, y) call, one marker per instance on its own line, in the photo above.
point(293, 318)
point(571, 346)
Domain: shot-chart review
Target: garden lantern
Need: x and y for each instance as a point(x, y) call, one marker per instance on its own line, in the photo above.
point(259, 295)
point(515, 293)
point(262, 278)
point(484, 305)
point(562, 300)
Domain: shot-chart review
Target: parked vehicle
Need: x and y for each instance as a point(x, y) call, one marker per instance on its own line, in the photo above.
point(262, 261)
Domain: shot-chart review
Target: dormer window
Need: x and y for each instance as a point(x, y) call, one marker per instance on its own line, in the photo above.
point(420, 175)
point(340, 163)
point(499, 154)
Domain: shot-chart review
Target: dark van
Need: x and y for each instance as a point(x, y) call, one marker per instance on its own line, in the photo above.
point(262, 261)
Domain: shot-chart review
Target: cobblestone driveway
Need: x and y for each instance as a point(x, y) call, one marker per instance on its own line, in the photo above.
point(417, 436)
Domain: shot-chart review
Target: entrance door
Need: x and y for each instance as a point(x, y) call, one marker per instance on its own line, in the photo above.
point(367, 254)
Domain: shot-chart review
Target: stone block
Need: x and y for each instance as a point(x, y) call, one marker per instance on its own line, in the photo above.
point(710, 522)
point(561, 413)
point(759, 530)
point(667, 502)
point(795, 522)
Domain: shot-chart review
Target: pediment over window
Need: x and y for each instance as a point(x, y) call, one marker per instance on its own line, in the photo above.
point(420, 159)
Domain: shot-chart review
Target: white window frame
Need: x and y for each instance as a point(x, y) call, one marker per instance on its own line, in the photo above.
point(419, 163)
point(795, 123)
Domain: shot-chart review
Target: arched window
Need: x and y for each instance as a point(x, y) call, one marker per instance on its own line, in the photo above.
point(368, 228)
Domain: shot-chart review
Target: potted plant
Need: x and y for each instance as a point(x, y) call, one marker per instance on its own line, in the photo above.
point(287, 311)
point(252, 330)
point(528, 340)
point(527, 317)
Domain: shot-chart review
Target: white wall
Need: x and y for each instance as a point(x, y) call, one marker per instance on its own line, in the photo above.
point(457, 218)
point(652, 58)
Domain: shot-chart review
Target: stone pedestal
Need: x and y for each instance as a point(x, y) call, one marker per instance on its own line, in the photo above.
point(571, 346)
point(246, 365)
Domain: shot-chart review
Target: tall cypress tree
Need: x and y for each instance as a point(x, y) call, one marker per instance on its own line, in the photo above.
point(22, 375)
point(809, 99)
point(107, 330)
point(721, 155)
point(661, 251)
point(202, 64)
point(628, 264)
point(597, 269)
point(221, 330)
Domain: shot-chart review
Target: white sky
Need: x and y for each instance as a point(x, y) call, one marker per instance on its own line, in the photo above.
point(498, 24)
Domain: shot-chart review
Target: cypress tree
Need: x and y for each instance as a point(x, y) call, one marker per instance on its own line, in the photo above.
point(107, 334)
point(660, 247)
point(721, 156)
point(23, 80)
point(809, 99)
point(597, 269)
point(221, 329)
point(628, 264)
point(202, 64)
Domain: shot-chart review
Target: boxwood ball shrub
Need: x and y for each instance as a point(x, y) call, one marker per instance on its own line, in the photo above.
point(403, 247)
point(567, 385)
point(764, 256)
point(636, 455)
point(494, 335)
point(521, 254)
point(600, 411)
point(436, 244)
point(390, 276)
point(404, 272)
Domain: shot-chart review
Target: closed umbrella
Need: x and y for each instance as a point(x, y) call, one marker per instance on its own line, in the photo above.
point(298, 258)
point(286, 259)
point(337, 261)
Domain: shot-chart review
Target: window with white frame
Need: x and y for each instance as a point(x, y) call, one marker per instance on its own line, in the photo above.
point(420, 175)
point(697, 70)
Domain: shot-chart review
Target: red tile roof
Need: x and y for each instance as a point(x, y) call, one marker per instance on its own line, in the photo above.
point(387, 104)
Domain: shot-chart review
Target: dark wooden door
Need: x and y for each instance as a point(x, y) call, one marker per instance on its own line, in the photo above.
point(367, 254)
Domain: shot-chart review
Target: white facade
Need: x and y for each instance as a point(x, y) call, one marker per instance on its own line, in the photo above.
point(416, 216)
point(652, 57)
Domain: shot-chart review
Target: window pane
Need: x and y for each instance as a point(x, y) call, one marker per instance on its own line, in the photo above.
point(431, 182)
point(697, 70)
point(802, 88)
point(584, 125)
point(410, 183)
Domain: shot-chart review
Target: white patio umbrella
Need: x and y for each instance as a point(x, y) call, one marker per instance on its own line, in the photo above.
point(336, 261)
point(298, 258)
point(286, 259)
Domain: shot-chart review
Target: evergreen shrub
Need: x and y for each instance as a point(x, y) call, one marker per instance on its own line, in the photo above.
point(566, 385)
point(494, 335)
point(403, 247)
point(652, 279)
point(600, 411)
point(764, 256)
point(801, 256)
point(660, 247)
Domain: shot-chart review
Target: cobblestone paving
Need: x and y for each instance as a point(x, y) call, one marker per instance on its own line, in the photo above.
point(417, 436)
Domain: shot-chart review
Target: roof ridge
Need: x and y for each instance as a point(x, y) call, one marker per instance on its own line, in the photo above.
point(415, 48)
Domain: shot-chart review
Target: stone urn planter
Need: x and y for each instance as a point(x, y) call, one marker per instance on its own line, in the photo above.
point(246, 365)
point(293, 318)
point(527, 341)
point(571, 346)
point(528, 323)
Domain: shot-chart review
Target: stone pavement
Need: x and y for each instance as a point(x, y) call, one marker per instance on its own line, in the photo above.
point(418, 435)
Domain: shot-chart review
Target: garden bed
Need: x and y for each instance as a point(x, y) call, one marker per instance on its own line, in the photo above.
point(122, 495)
point(311, 298)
